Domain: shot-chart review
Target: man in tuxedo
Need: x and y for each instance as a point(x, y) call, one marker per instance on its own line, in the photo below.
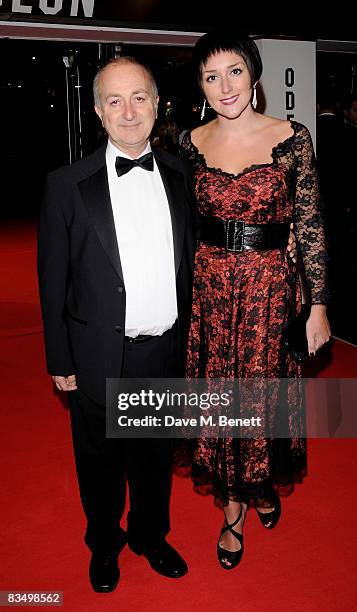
point(115, 259)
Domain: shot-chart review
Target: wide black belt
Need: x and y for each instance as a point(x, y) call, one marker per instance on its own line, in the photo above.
point(237, 236)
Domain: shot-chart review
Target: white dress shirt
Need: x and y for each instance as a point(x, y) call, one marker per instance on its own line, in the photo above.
point(144, 234)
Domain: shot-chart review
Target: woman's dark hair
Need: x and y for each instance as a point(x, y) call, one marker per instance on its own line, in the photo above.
point(225, 40)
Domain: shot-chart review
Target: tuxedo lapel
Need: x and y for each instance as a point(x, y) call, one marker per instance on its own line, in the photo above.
point(173, 188)
point(96, 197)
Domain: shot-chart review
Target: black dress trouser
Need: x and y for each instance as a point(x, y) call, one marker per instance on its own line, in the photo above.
point(104, 464)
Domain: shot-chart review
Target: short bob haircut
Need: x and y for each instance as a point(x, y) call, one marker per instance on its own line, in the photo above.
point(226, 40)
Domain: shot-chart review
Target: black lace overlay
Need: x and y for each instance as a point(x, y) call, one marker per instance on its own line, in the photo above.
point(241, 305)
point(297, 155)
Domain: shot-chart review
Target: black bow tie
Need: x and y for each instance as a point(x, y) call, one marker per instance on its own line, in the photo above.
point(124, 164)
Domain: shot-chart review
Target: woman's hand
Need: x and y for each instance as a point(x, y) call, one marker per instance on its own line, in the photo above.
point(292, 244)
point(317, 328)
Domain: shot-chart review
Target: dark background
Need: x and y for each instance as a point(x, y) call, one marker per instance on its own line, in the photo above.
point(34, 111)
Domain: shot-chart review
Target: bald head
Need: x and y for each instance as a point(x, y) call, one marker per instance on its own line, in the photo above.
point(126, 103)
point(119, 61)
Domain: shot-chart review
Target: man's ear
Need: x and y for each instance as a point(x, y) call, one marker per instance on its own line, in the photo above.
point(99, 113)
point(157, 105)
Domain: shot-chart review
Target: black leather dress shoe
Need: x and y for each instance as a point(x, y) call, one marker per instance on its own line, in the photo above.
point(104, 572)
point(163, 559)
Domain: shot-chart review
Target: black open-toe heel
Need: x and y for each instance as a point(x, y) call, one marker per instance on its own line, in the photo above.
point(270, 519)
point(232, 557)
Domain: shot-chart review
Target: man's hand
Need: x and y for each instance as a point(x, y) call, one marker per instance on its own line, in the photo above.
point(65, 383)
point(292, 244)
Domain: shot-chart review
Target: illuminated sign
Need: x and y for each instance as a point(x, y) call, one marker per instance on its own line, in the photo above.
point(74, 8)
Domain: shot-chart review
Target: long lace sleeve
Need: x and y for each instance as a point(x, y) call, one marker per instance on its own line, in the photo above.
point(187, 151)
point(309, 219)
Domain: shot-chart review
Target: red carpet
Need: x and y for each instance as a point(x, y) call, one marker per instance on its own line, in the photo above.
point(308, 563)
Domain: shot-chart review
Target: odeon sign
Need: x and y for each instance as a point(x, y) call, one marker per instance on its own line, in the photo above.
point(49, 7)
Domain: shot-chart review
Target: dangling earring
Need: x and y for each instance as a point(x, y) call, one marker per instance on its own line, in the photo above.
point(203, 110)
point(254, 101)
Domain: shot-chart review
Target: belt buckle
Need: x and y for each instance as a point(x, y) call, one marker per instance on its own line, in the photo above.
point(234, 235)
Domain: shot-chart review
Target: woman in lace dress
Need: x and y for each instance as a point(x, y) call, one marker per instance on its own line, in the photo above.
point(258, 170)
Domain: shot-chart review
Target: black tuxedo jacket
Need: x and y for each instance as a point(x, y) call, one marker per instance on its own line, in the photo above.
point(81, 283)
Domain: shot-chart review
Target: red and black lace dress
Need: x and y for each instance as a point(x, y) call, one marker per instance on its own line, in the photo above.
point(242, 302)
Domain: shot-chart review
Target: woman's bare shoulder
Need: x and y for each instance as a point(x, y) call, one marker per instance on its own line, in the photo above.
point(281, 128)
point(200, 133)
